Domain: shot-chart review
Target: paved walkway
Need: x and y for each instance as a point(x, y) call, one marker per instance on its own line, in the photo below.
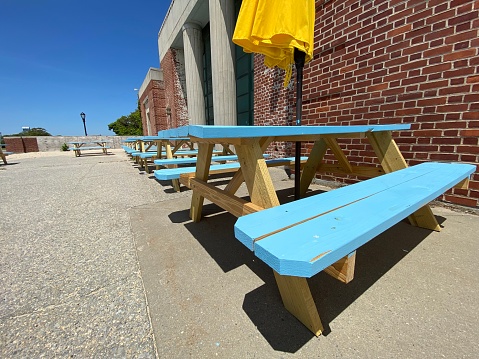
point(100, 260)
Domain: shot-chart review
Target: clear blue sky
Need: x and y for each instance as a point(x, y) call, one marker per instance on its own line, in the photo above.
point(59, 58)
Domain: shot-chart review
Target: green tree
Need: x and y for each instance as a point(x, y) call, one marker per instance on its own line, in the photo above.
point(128, 125)
point(35, 131)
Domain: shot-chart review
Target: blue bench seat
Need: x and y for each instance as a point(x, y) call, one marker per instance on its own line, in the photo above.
point(149, 154)
point(127, 148)
point(174, 173)
point(304, 237)
point(193, 160)
point(154, 153)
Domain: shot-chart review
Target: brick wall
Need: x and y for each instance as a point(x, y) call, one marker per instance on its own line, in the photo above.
point(273, 105)
point(155, 92)
point(21, 144)
point(175, 90)
point(396, 61)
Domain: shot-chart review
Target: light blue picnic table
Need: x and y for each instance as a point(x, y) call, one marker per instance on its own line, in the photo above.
point(301, 238)
point(79, 146)
point(250, 143)
point(158, 147)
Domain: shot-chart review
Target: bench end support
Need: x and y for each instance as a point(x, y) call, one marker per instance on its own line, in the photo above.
point(343, 270)
point(298, 300)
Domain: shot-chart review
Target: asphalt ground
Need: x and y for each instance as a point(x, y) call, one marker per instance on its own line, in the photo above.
point(100, 260)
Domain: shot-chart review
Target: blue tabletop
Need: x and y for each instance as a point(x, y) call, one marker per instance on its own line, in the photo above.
point(205, 131)
point(84, 143)
point(167, 135)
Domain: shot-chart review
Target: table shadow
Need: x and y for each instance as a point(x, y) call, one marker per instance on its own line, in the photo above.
point(264, 306)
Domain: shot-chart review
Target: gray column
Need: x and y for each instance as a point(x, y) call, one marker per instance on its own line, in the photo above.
point(193, 49)
point(222, 61)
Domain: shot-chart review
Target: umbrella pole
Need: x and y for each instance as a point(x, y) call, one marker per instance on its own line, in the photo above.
point(299, 58)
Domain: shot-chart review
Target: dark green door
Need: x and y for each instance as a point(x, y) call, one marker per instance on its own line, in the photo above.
point(244, 83)
point(207, 76)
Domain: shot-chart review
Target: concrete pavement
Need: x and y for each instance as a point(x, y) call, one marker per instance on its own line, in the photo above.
point(100, 260)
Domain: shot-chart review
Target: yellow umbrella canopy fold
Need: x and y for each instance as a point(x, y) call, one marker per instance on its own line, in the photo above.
point(275, 29)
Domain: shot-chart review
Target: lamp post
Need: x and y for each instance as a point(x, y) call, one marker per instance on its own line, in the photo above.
point(83, 118)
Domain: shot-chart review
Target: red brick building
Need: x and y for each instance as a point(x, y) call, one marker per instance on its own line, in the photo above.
point(151, 96)
point(375, 62)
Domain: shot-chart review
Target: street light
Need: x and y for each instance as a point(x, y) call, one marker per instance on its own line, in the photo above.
point(83, 118)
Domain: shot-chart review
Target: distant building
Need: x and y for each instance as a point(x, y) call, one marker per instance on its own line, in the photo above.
point(154, 111)
point(25, 129)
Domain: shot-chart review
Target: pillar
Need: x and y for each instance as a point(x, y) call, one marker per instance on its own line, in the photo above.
point(222, 20)
point(193, 50)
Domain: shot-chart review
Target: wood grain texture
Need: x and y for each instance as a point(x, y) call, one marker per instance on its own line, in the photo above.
point(205, 152)
point(297, 299)
point(314, 160)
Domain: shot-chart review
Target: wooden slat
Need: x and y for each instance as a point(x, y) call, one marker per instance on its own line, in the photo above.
point(464, 184)
point(178, 145)
point(227, 150)
point(339, 154)
point(234, 205)
point(347, 135)
point(361, 171)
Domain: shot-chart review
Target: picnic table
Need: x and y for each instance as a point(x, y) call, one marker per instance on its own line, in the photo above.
point(79, 146)
point(264, 226)
point(250, 143)
point(153, 147)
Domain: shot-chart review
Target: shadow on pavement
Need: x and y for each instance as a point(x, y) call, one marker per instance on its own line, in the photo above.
point(264, 306)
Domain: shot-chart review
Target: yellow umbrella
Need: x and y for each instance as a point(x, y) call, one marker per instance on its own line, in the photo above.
point(283, 31)
point(275, 29)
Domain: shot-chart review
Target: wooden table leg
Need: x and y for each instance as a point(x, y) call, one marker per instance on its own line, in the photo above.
point(4, 158)
point(297, 299)
point(391, 160)
point(205, 152)
point(237, 180)
point(294, 291)
point(169, 154)
point(256, 174)
point(314, 160)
